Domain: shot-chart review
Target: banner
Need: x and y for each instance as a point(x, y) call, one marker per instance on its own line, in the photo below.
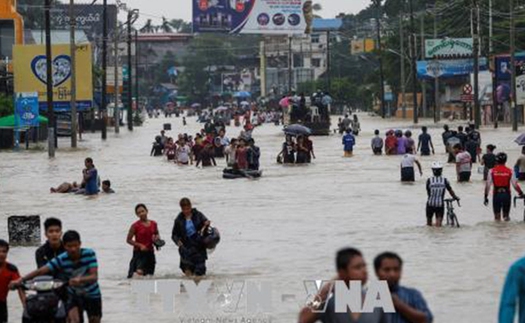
point(29, 63)
point(448, 68)
point(253, 16)
point(89, 18)
point(449, 48)
point(26, 110)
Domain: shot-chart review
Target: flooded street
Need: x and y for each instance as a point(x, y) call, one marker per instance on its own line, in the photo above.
point(283, 228)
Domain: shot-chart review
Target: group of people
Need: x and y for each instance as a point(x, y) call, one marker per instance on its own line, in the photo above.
point(343, 125)
point(350, 265)
point(192, 234)
point(90, 184)
point(63, 257)
point(296, 150)
point(240, 153)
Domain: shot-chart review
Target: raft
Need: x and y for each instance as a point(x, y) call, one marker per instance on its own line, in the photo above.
point(229, 173)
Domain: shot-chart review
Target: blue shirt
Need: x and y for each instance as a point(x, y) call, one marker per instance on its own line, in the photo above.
point(190, 228)
point(349, 142)
point(64, 265)
point(513, 294)
point(92, 182)
point(412, 298)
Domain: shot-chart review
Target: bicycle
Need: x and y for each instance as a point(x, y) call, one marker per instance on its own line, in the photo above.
point(520, 198)
point(452, 219)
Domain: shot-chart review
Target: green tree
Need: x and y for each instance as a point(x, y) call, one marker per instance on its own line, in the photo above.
point(33, 12)
point(6, 105)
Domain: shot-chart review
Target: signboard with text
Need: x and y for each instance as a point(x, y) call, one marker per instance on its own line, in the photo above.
point(253, 16)
point(26, 110)
point(30, 69)
point(449, 48)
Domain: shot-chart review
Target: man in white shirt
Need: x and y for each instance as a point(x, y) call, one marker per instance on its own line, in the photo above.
point(407, 167)
point(463, 163)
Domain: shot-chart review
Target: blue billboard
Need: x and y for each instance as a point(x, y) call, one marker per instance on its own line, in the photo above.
point(253, 16)
point(448, 68)
point(26, 110)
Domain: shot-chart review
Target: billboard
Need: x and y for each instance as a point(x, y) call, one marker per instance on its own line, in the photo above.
point(26, 114)
point(359, 46)
point(253, 16)
point(448, 68)
point(89, 18)
point(29, 63)
point(449, 48)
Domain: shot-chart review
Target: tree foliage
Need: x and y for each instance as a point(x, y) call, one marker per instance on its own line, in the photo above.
point(33, 12)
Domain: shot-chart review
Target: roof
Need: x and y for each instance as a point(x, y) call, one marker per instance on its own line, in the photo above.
point(168, 86)
point(164, 37)
point(57, 37)
point(327, 24)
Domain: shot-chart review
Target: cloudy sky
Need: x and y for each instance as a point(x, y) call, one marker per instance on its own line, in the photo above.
point(155, 9)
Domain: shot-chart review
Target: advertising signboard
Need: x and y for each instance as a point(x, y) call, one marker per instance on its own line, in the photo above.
point(253, 16)
point(449, 47)
point(448, 68)
point(30, 74)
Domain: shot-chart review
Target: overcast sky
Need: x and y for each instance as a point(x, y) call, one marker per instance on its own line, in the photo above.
point(181, 9)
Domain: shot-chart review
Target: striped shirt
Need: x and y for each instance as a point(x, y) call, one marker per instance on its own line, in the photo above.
point(436, 188)
point(70, 269)
point(412, 298)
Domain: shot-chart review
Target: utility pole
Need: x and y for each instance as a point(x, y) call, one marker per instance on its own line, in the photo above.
point(104, 68)
point(73, 49)
point(414, 63)
point(380, 53)
point(437, 105)
point(403, 81)
point(491, 31)
point(262, 54)
point(328, 62)
point(423, 81)
point(116, 111)
point(477, 110)
point(290, 64)
point(49, 83)
point(513, 67)
point(130, 82)
point(137, 51)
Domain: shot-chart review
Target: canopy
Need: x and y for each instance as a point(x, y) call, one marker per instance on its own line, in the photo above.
point(9, 121)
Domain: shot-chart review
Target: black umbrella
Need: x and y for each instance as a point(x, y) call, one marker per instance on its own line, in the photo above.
point(296, 130)
point(520, 140)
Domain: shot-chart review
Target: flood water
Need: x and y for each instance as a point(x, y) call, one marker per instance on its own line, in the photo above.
point(283, 228)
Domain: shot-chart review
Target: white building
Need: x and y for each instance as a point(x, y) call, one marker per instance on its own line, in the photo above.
point(307, 55)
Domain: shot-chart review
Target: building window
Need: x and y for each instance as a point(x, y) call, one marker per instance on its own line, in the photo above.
point(315, 39)
point(316, 62)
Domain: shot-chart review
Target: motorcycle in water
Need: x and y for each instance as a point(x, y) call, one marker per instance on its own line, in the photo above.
point(43, 303)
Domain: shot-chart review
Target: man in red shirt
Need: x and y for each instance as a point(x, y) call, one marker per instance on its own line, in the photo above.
point(501, 177)
point(8, 273)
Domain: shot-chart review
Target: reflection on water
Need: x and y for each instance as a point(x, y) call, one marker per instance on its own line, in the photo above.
point(284, 228)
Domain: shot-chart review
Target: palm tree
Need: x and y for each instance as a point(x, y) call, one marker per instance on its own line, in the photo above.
point(148, 27)
point(165, 27)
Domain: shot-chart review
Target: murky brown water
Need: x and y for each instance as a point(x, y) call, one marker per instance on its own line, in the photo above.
point(285, 227)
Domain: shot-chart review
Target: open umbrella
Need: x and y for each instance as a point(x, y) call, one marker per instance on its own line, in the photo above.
point(220, 109)
point(520, 140)
point(196, 105)
point(9, 121)
point(242, 94)
point(296, 130)
point(245, 103)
